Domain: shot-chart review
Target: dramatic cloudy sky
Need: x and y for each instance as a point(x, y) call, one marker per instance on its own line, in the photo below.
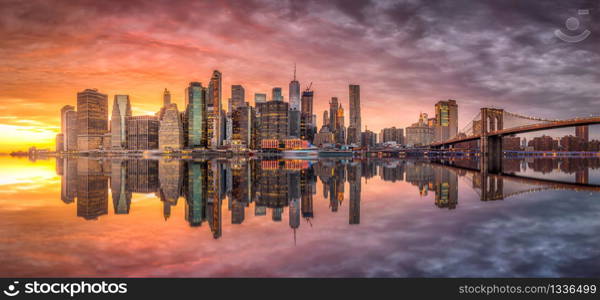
point(406, 55)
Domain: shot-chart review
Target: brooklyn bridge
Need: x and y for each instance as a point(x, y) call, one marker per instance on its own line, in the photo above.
point(490, 125)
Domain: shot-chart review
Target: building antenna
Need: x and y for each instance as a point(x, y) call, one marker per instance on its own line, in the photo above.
point(294, 71)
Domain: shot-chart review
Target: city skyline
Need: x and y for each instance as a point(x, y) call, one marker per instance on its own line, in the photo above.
point(138, 58)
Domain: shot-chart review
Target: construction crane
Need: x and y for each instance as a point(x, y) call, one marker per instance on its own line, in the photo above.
point(309, 86)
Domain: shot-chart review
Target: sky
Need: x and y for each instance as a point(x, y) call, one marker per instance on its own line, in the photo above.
point(405, 55)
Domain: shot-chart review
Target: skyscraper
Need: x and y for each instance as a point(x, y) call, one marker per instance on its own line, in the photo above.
point(295, 116)
point(260, 98)
point(294, 120)
point(70, 135)
point(446, 116)
point(195, 100)
point(92, 189)
point(238, 97)
point(60, 140)
point(355, 119)
point(196, 193)
point(340, 134)
point(121, 196)
point(121, 110)
point(166, 97)
point(276, 94)
point(92, 119)
point(368, 138)
point(307, 102)
point(215, 134)
point(243, 127)
point(142, 132)
point(170, 133)
point(333, 107)
point(64, 125)
point(273, 119)
point(307, 129)
point(354, 180)
point(336, 120)
point(294, 93)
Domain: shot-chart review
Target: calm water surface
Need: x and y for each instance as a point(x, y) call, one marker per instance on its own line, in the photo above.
point(289, 218)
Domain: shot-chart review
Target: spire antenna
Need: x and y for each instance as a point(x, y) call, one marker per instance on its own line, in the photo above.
point(294, 71)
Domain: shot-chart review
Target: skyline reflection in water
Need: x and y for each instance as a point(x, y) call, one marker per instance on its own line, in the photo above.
point(330, 217)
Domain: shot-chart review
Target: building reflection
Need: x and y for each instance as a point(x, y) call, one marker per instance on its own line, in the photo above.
point(282, 189)
point(121, 194)
point(92, 188)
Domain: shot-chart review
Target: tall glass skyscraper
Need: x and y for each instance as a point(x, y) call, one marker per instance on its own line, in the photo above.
point(238, 97)
point(294, 93)
point(121, 110)
point(195, 101)
point(295, 116)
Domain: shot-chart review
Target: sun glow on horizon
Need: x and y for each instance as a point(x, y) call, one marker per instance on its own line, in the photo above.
point(15, 137)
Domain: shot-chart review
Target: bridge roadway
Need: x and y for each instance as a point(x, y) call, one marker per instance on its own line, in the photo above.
point(524, 129)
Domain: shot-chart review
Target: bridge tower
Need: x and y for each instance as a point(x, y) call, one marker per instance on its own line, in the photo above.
point(492, 187)
point(492, 119)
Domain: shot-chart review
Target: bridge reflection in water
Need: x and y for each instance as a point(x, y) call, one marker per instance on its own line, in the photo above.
point(209, 187)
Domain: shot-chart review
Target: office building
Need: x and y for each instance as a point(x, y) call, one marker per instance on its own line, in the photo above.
point(340, 133)
point(294, 123)
point(392, 135)
point(71, 131)
point(92, 189)
point(368, 138)
point(355, 118)
point(170, 133)
point(64, 126)
point(120, 112)
point(307, 120)
point(273, 119)
point(243, 127)
point(276, 94)
point(238, 97)
point(142, 132)
point(543, 143)
point(215, 134)
point(446, 116)
point(325, 120)
point(260, 98)
point(420, 133)
point(59, 142)
point(92, 119)
point(333, 108)
point(573, 143)
point(195, 101)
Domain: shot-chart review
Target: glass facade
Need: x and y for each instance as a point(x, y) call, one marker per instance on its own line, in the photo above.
point(196, 111)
